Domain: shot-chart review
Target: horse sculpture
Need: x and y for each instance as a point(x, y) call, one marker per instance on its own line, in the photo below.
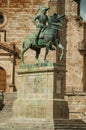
point(49, 38)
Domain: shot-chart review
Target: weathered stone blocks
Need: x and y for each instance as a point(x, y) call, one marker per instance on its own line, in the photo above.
point(37, 97)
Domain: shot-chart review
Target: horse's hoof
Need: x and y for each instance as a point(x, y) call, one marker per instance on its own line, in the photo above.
point(46, 61)
point(22, 64)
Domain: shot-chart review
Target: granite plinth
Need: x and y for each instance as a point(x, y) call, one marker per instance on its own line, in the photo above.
point(40, 87)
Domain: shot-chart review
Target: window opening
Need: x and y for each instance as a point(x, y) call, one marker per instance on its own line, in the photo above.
point(83, 9)
point(1, 18)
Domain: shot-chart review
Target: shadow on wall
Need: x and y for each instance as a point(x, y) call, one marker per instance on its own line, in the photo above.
point(1, 100)
point(60, 109)
point(2, 79)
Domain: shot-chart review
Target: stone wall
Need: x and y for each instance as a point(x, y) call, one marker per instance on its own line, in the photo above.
point(74, 60)
point(7, 111)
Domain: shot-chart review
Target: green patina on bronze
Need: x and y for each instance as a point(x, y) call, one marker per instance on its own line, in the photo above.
point(47, 35)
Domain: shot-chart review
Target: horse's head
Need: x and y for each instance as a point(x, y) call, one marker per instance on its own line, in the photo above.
point(56, 19)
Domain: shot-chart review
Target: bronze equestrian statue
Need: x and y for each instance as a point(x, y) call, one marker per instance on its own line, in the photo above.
point(47, 37)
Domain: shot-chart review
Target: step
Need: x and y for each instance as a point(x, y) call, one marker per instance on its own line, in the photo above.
point(39, 125)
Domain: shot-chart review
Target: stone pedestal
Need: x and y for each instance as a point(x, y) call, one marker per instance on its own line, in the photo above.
point(40, 95)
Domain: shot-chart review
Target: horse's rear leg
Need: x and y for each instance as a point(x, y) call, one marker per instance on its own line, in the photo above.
point(60, 46)
point(46, 52)
point(24, 49)
point(62, 51)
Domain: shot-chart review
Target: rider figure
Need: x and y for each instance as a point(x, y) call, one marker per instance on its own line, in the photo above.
point(43, 19)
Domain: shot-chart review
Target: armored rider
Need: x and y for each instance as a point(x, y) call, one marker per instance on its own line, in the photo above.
point(42, 19)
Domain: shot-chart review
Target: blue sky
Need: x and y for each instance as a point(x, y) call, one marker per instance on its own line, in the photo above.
point(83, 9)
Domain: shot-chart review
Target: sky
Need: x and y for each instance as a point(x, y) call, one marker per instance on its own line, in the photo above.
point(83, 9)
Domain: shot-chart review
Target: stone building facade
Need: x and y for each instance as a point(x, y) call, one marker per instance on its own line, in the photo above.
point(16, 25)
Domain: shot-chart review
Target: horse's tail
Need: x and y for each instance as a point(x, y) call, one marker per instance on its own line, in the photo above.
point(62, 49)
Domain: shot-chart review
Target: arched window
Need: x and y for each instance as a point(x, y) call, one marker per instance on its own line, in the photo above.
point(1, 18)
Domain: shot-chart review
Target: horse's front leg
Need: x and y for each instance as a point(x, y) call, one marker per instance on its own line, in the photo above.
point(22, 53)
point(24, 49)
point(46, 51)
